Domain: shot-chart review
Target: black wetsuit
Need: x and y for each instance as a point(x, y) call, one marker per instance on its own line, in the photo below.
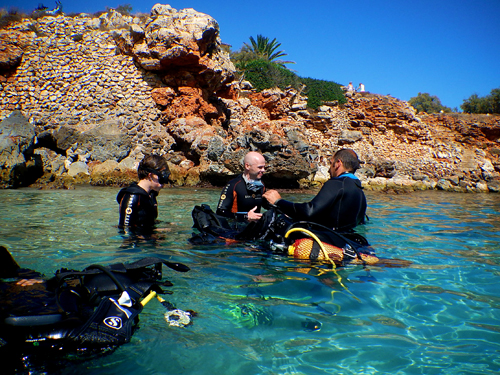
point(138, 209)
point(340, 204)
point(236, 197)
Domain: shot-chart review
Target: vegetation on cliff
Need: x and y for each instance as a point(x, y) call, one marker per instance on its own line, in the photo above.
point(264, 48)
point(319, 91)
point(424, 102)
point(265, 74)
point(487, 104)
point(257, 62)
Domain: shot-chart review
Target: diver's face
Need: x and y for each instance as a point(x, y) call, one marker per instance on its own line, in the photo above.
point(155, 182)
point(335, 168)
point(158, 178)
point(256, 169)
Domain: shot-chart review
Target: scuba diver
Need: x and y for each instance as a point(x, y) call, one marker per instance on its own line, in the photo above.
point(318, 230)
point(89, 311)
point(138, 205)
point(238, 211)
point(241, 198)
point(340, 204)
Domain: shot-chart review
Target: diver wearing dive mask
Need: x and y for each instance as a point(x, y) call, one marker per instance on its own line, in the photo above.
point(163, 175)
point(138, 205)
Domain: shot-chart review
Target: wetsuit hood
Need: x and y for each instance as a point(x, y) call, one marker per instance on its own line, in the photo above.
point(132, 189)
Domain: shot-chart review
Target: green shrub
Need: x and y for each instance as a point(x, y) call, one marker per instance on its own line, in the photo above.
point(264, 75)
point(487, 104)
point(124, 9)
point(424, 102)
point(319, 91)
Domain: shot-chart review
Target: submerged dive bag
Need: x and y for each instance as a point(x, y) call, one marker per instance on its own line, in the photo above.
point(314, 242)
point(97, 308)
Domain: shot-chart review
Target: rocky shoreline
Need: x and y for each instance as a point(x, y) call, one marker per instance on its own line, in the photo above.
point(83, 99)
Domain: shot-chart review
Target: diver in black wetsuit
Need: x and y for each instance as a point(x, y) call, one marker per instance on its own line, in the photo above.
point(138, 206)
point(241, 198)
point(340, 204)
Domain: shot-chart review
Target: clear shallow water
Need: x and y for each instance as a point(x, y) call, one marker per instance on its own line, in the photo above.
point(441, 315)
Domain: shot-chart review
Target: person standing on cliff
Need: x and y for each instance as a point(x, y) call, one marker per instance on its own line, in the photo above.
point(340, 204)
point(241, 198)
point(361, 88)
point(138, 205)
point(350, 90)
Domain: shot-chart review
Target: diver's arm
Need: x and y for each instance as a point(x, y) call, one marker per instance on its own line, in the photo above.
point(129, 210)
point(304, 211)
point(226, 201)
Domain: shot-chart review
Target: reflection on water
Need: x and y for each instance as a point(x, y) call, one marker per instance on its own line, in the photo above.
point(260, 313)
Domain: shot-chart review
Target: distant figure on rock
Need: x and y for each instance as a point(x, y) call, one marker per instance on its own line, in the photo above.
point(350, 90)
point(361, 88)
point(339, 205)
point(138, 206)
point(241, 198)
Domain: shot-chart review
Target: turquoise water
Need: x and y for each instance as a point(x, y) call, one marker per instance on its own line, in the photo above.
point(440, 315)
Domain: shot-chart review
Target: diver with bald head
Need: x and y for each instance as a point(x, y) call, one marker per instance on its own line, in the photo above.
point(241, 198)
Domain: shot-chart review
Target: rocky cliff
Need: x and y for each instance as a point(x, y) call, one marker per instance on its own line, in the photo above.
point(83, 99)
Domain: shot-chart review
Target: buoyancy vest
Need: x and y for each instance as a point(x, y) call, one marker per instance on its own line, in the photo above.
point(91, 309)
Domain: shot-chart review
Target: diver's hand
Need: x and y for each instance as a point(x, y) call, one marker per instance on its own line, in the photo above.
point(253, 216)
point(272, 196)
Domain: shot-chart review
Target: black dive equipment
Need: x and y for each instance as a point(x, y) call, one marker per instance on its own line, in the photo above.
point(86, 311)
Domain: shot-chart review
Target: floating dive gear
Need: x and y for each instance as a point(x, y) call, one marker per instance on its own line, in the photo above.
point(94, 309)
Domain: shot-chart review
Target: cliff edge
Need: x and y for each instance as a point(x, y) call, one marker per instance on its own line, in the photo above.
point(82, 100)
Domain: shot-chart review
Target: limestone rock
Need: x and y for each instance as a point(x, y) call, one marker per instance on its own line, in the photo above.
point(17, 138)
point(349, 136)
point(10, 56)
point(104, 168)
point(444, 185)
point(183, 45)
point(19, 166)
point(114, 20)
point(105, 141)
point(53, 162)
point(104, 92)
point(77, 168)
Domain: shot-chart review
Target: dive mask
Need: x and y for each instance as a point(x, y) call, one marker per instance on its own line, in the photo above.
point(162, 175)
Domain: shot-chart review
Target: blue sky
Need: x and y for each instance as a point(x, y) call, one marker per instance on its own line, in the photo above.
point(446, 48)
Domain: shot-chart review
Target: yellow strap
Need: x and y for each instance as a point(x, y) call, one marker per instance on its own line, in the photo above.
point(322, 247)
point(148, 298)
point(315, 238)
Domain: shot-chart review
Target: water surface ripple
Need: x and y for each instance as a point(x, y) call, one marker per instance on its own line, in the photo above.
point(438, 316)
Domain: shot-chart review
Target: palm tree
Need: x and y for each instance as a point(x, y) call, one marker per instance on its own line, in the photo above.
point(266, 49)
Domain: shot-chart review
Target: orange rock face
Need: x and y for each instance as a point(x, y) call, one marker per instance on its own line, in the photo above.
point(186, 102)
